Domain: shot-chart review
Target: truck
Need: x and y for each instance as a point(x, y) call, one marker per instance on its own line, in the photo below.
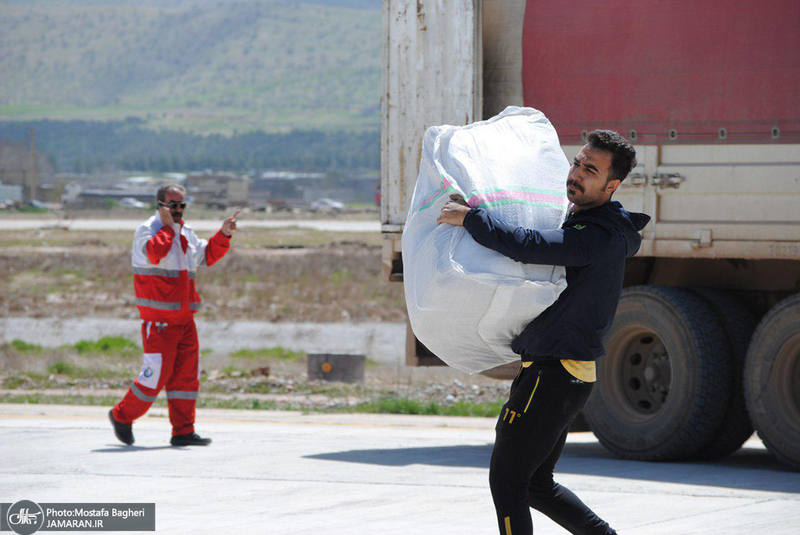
point(705, 345)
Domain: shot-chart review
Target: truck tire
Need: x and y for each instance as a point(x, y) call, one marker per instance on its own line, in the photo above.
point(663, 388)
point(772, 381)
point(739, 324)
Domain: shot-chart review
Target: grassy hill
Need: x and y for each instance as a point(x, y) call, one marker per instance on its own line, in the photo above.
point(195, 65)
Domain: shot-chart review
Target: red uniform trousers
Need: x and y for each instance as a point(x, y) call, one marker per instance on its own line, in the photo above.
point(171, 359)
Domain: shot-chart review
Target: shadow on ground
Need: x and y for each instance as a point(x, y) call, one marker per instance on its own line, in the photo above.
point(750, 468)
point(121, 448)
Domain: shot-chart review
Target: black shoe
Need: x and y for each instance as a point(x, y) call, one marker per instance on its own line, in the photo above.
point(192, 439)
point(124, 432)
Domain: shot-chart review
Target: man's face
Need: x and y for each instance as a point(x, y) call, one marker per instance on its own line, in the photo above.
point(587, 181)
point(177, 197)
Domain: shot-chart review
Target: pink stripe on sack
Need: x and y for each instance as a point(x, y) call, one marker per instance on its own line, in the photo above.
point(445, 184)
point(475, 200)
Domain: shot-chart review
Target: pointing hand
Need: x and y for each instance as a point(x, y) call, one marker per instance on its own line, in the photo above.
point(229, 225)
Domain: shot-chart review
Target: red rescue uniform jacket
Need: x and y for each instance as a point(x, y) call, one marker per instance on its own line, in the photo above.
point(165, 259)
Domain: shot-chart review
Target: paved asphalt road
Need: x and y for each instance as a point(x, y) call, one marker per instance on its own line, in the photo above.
point(331, 225)
point(285, 472)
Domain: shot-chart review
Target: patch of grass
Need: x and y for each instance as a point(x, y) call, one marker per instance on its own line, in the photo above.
point(367, 207)
point(66, 368)
point(332, 389)
point(339, 276)
point(230, 370)
point(74, 371)
point(69, 399)
point(31, 210)
point(25, 347)
point(24, 380)
point(60, 399)
point(390, 405)
point(107, 345)
point(393, 405)
point(12, 383)
point(236, 403)
point(274, 353)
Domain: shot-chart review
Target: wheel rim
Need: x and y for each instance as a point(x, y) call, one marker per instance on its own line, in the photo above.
point(641, 373)
point(785, 379)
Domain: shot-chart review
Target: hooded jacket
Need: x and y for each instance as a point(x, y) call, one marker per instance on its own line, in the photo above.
point(593, 245)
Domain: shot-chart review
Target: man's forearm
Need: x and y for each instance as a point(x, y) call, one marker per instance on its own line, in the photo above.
point(217, 247)
point(548, 247)
point(159, 245)
point(496, 235)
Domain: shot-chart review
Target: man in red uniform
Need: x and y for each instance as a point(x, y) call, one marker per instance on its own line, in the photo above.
point(165, 257)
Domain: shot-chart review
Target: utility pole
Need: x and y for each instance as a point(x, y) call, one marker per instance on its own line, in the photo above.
point(33, 182)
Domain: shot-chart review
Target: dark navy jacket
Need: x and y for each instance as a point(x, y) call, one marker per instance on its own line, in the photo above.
point(593, 245)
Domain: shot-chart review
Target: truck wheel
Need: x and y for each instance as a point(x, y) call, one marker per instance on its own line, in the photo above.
point(739, 323)
point(772, 381)
point(663, 388)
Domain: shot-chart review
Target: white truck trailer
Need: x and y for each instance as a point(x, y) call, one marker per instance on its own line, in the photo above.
point(706, 340)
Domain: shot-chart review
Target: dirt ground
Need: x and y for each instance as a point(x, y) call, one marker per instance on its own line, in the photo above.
point(269, 275)
point(280, 275)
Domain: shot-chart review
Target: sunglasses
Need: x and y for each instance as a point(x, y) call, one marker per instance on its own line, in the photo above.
point(174, 205)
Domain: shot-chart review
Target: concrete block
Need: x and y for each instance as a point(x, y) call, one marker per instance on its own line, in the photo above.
point(336, 367)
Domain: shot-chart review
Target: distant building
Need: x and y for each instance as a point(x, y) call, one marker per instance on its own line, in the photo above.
point(308, 187)
point(140, 182)
point(116, 193)
point(13, 180)
point(10, 192)
point(218, 190)
point(21, 178)
point(50, 193)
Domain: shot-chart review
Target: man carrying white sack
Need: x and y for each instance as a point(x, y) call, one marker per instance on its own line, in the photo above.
point(559, 347)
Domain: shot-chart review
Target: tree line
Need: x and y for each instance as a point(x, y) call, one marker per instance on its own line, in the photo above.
point(90, 146)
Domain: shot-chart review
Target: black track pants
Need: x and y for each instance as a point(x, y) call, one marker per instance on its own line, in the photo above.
point(531, 432)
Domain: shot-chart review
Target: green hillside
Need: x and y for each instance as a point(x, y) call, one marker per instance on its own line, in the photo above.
point(200, 66)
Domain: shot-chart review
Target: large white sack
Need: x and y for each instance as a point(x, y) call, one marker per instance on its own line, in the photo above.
point(466, 302)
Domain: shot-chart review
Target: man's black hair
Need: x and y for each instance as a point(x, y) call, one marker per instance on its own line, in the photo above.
point(161, 194)
point(623, 154)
